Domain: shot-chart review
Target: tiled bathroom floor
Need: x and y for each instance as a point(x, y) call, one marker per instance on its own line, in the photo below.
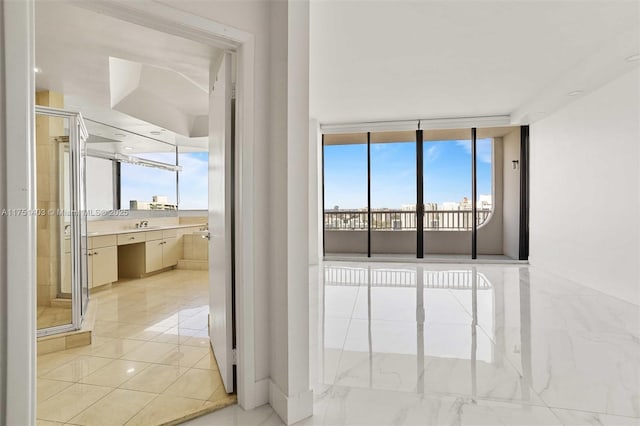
point(150, 361)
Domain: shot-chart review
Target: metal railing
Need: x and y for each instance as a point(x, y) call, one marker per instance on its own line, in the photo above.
point(398, 220)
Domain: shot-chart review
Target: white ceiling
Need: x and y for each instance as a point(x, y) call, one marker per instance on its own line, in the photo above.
point(73, 46)
point(393, 60)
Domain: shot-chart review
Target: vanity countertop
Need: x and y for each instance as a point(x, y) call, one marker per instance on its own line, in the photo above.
point(148, 228)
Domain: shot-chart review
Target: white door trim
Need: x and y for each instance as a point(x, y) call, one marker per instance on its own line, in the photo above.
point(19, 55)
point(21, 238)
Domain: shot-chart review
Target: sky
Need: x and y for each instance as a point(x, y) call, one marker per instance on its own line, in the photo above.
point(141, 183)
point(447, 173)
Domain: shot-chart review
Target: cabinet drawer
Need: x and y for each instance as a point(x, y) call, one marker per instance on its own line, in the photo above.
point(131, 238)
point(154, 235)
point(102, 241)
point(169, 233)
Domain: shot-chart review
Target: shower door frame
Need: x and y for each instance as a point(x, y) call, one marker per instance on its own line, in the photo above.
point(78, 236)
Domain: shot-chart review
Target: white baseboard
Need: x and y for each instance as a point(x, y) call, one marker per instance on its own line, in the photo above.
point(291, 409)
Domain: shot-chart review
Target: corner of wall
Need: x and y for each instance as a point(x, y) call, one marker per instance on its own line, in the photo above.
point(291, 409)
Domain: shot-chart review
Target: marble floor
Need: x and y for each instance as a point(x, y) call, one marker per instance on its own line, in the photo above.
point(150, 361)
point(437, 344)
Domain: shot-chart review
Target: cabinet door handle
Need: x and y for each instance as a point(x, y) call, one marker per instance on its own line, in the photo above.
point(132, 238)
point(95, 253)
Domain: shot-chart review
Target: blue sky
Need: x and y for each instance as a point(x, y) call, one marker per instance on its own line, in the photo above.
point(447, 170)
point(141, 183)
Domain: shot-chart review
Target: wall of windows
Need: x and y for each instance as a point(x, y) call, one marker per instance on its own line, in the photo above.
point(420, 198)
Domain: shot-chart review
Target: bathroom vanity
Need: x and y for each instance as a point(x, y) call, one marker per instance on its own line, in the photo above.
point(130, 253)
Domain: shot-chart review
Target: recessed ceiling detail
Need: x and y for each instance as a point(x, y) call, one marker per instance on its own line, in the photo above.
point(159, 96)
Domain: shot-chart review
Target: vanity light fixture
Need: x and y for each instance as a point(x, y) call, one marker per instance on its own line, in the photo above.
point(132, 159)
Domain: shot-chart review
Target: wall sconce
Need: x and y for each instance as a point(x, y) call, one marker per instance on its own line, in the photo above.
point(515, 164)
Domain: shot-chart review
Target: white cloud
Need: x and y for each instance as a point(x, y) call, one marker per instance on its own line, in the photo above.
point(433, 152)
point(483, 149)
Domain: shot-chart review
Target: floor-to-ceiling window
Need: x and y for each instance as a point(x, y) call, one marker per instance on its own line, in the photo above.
point(430, 192)
point(393, 193)
point(345, 193)
point(448, 186)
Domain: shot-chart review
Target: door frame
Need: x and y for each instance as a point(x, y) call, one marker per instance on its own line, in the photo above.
point(19, 56)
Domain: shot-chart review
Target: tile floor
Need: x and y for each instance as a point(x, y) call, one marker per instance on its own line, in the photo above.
point(150, 361)
point(432, 344)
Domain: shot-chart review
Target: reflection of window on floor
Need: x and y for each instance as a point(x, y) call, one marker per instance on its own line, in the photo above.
point(381, 304)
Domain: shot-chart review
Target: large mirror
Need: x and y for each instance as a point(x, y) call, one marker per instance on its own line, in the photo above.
point(131, 172)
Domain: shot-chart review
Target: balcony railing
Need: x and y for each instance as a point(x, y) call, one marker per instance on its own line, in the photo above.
point(398, 220)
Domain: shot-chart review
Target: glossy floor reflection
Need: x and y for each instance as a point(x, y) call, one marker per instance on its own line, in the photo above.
point(409, 344)
point(150, 361)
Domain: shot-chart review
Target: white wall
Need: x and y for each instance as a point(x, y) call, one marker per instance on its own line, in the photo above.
point(511, 195)
point(99, 184)
point(19, 168)
point(585, 190)
point(3, 233)
point(281, 121)
point(289, 390)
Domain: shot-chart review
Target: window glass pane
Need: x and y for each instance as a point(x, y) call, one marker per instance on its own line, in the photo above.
point(345, 194)
point(193, 183)
point(484, 156)
point(147, 188)
point(393, 194)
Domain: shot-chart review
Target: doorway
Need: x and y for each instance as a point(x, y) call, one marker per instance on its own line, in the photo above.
point(22, 408)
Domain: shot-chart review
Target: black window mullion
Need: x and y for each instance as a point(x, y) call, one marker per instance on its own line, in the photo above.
point(523, 252)
point(324, 251)
point(474, 195)
point(419, 195)
point(368, 194)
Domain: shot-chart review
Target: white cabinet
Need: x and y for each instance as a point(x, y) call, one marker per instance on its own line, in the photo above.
point(102, 260)
point(160, 250)
point(103, 266)
point(153, 256)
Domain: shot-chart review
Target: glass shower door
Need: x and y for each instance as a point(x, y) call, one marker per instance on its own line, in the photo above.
point(62, 285)
point(82, 214)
